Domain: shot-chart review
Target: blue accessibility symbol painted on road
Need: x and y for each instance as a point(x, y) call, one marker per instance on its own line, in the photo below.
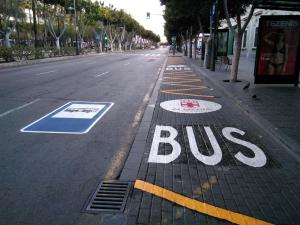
point(76, 117)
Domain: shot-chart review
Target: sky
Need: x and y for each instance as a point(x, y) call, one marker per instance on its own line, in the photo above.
point(138, 10)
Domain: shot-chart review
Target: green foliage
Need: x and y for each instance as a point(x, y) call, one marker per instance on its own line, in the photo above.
point(68, 51)
point(181, 15)
point(93, 17)
point(6, 54)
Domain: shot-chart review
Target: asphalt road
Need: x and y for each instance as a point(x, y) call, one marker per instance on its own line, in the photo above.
point(47, 178)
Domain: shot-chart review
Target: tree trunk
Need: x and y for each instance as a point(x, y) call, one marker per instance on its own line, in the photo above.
point(236, 56)
point(100, 46)
point(81, 42)
point(195, 48)
point(112, 46)
point(57, 43)
point(6, 40)
point(186, 44)
point(191, 43)
point(33, 7)
point(120, 46)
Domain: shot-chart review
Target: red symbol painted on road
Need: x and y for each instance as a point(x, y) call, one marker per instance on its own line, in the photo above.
point(189, 104)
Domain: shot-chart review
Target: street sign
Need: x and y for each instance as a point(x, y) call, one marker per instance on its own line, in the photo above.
point(76, 117)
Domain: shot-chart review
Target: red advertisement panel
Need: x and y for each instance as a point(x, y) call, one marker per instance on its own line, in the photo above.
point(278, 49)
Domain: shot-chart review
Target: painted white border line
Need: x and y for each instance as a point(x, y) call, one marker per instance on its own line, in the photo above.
point(102, 74)
point(18, 108)
point(51, 132)
point(52, 71)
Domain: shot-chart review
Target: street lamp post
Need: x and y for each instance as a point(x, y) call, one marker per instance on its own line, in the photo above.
point(76, 38)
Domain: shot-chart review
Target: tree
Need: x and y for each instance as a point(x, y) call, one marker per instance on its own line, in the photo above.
point(56, 12)
point(185, 19)
point(55, 23)
point(235, 10)
point(8, 9)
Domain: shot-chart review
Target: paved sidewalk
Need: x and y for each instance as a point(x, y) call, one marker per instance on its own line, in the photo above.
point(275, 107)
point(221, 157)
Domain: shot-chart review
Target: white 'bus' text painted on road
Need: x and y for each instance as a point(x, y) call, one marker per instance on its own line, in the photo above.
point(157, 139)
point(259, 159)
point(208, 160)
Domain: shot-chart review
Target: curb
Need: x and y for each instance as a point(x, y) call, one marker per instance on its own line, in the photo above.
point(46, 60)
point(279, 137)
point(133, 162)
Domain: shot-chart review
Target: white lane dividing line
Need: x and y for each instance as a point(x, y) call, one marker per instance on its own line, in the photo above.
point(102, 74)
point(52, 71)
point(126, 64)
point(91, 63)
point(18, 108)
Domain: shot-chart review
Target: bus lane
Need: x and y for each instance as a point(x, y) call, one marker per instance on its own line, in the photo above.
point(205, 162)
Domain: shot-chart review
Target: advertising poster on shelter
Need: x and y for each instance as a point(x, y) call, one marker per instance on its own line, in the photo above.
point(278, 49)
point(222, 42)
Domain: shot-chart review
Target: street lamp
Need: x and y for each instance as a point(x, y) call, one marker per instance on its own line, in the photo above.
point(76, 28)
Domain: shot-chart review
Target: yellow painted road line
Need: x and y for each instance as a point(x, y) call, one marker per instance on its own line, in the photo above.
point(177, 83)
point(198, 206)
point(183, 82)
point(178, 71)
point(181, 73)
point(185, 94)
point(187, 79)
point(186, 89)
point(183, 85)
point(179, 77)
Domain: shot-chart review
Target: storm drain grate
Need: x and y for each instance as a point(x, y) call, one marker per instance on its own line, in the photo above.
point(109, 196)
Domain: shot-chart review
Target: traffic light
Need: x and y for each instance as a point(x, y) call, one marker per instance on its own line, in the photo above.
point(105, 38)
point(148, 15)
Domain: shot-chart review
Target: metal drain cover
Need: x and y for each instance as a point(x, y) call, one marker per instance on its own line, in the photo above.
point(110, 196)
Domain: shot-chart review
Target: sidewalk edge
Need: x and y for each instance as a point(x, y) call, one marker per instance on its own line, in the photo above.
point(133, 162)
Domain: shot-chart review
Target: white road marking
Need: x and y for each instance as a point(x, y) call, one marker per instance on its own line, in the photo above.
point(52, 71)
point(91, 63)
point(211, 160)
point(259, 159)
point(126, 64)
point(154, 156)
point(102, 74)
point(18, 108)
